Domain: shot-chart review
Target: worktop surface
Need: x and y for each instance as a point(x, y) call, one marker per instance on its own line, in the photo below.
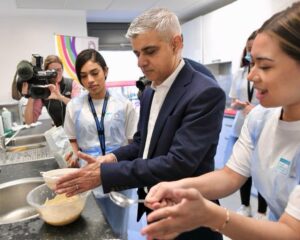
point(91, 224)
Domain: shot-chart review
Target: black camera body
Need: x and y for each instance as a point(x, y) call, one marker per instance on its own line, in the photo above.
point(142, 83)
point(36, 77)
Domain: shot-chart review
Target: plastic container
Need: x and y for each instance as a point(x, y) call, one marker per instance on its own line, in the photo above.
point(7, 120)
point(58, 213)
point(52, 176)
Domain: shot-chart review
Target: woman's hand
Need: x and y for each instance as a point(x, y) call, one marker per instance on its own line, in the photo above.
point(72, 160)
point(238, 105)
point(161, 195)
point(55, 93)
point(189, 212)
point(25, 87)
point(248, 108)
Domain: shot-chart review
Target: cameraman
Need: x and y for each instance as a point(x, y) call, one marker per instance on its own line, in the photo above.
point(62, 90)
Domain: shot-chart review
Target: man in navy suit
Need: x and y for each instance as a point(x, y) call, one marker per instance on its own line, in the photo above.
point(180, 120)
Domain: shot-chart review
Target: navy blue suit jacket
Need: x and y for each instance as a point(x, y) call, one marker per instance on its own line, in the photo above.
point(183, 143)
point(184, 138)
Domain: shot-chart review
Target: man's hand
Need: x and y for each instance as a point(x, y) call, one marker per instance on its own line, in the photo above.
point(108, 158)
point(86, 178)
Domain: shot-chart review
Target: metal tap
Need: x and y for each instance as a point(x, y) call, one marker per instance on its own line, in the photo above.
point(4, 142)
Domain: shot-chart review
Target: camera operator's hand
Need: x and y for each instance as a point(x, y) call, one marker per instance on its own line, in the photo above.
point(25, 87)
point(55, 94)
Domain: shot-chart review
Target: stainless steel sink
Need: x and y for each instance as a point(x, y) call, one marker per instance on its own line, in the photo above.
point(24, 143)
point(27, 140)
point(13, 204)
point(25, 147)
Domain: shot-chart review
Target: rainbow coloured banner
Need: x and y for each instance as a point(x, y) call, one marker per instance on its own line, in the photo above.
point(68, 47)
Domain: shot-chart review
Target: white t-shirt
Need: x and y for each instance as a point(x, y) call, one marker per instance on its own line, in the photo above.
point(120, 122)
point(271, 158)
point(293, 204)
point(239, 90)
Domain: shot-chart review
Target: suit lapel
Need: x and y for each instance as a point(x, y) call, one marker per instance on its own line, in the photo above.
point(174, 95)
point(147, 102)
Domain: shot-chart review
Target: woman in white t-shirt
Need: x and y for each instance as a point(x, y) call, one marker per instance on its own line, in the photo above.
point(97, 123)
point(268, 149)
point(244, 100)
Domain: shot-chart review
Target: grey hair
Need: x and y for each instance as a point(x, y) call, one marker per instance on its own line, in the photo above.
point(161, 20)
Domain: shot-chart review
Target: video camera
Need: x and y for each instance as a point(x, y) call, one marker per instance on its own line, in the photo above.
point(142, 83)
point(36, 77)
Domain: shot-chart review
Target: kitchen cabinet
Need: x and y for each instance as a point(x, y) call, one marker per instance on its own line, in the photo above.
point(223, 153)
point(192, 39)
point(218, 32)
point(226, 30)
point(220, 35)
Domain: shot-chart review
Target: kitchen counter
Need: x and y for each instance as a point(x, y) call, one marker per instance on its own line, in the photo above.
point(229, 113)
point(91, 224)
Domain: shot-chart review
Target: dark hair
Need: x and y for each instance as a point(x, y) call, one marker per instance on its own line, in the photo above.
point(52, 59)
point(244, 62)
point(87, 55)
point(285, 27)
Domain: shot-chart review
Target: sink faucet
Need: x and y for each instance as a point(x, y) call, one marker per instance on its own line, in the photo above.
point(4, 142)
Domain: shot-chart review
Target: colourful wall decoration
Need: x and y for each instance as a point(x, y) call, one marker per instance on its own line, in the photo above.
point(68, 47)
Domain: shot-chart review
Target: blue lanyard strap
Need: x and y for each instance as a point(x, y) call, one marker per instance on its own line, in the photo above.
point(100, 125)
point(250, 89)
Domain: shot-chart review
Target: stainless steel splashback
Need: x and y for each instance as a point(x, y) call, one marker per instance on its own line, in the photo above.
point(16, 111)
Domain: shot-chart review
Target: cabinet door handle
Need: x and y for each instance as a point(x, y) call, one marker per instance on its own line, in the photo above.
point(228, 125)
point(216, 61)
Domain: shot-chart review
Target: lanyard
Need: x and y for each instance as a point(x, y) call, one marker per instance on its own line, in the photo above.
point(250, 89)
point(100, 125)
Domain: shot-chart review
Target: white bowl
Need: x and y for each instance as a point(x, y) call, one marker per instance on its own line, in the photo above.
point(59, 213)
point(51, 177)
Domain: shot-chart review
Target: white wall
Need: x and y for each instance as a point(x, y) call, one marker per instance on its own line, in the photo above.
point(26, 32)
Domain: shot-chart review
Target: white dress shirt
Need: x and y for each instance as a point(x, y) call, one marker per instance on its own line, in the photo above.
point(160, 94)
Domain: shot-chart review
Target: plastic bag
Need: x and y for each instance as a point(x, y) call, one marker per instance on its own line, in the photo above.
point(59, 145)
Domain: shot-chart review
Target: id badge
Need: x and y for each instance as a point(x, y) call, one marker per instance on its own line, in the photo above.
point(283, 166)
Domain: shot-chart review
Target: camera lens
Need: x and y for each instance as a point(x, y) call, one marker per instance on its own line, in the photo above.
point(39, 92)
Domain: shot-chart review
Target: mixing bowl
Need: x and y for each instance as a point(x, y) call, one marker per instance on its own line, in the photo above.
point(61, 210)
point(51, 177)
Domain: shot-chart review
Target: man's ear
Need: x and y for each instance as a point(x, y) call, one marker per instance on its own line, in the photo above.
point(177, 43)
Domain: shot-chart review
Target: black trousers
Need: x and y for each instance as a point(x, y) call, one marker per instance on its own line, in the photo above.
point(200, 233)
point(245, 192)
